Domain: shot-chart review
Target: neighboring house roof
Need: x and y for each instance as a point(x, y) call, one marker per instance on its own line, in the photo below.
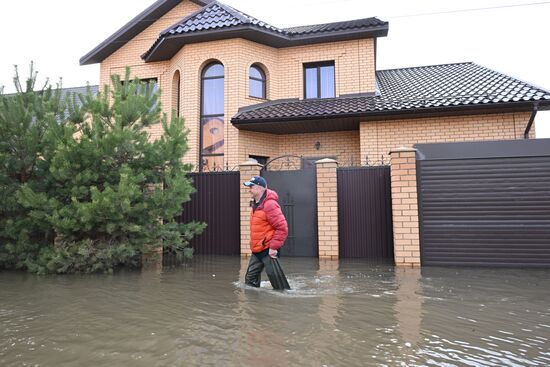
point(132, 29)
point(220, 21)
point(405, 93)
point(74, 92)
point(78, 90)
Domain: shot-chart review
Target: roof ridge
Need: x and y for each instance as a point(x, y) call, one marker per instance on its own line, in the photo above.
point(248, 19)
point(241, 16)
point(185, 19)
point(427, 66)
point(338, 22)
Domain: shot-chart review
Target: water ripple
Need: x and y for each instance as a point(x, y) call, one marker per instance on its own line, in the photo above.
point(338, 313)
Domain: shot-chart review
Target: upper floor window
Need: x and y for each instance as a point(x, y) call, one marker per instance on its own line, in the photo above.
point(176, 93)
point(149, 86)
point(256, 82)
point(319, 80)
point(212, 118)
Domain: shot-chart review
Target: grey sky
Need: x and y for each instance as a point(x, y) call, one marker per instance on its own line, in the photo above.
point(505, 35)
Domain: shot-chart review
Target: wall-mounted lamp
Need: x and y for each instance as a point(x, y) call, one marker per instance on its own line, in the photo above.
point(317, 145)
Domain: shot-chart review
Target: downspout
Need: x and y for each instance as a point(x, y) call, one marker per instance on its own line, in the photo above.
point(531, 120)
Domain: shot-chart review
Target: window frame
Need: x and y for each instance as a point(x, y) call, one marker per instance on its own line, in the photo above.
point(263, 81)
point(203, 116)
point(318, 65)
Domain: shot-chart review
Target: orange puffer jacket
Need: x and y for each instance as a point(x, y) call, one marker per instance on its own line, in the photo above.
point(268, 227)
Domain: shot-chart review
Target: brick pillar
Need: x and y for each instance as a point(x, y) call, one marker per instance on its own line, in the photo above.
point(327, 208)
point(247, 170)
point(406, 238)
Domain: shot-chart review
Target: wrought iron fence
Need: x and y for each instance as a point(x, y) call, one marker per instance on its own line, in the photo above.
point(368, 162)
point(215, 169)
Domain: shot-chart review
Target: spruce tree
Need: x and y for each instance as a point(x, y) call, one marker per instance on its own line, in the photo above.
point(111, 193)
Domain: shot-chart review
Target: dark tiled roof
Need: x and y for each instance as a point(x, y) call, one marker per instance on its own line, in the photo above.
point(215, 16)
point(337, 26)
point(410, 90)
point(218, 21)
point(132, 29)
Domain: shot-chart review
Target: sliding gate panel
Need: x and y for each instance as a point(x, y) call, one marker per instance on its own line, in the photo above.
point(485, 204)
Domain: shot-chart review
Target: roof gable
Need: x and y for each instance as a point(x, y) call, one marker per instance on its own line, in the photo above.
point(220, 21)
point(215, 15)
point(132, 29)
point(217, 21)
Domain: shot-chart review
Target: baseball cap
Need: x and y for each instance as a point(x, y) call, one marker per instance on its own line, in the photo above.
point(256, 180)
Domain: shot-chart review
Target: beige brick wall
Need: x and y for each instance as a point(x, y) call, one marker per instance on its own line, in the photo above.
point(341, 145)
point(379, 137)
point(406, 238)
point(327, 209)
point(354, 65)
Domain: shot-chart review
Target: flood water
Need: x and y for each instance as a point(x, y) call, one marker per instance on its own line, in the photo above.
point(346, 313)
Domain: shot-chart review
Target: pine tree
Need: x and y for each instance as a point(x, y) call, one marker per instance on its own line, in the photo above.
point(25, 117)
point(111, 194)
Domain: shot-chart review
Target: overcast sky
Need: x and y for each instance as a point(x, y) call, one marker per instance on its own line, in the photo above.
point(505, 35)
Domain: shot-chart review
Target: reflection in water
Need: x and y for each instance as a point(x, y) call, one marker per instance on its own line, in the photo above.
point(346, 313)
point(408, 304)
point(328, 309)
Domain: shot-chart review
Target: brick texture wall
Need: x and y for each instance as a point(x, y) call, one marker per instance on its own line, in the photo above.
point(406, 237)
point(354, 66)
point(342, 146)
point(379, 137)
point(327, 209)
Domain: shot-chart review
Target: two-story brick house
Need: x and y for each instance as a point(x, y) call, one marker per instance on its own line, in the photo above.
point(251, 90)
point(246, 88)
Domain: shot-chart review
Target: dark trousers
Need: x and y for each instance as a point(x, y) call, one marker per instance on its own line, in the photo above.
point(256, 264)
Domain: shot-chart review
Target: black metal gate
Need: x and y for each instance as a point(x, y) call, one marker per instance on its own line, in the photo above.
point(485, 203)
point(297, 190)
point(365, 212)
point(217, 203)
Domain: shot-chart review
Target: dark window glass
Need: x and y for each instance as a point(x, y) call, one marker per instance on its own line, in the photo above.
point(176, 93)
point(260, 159)
point(149, 85)
point(319, 80)
point(146, 84)
point(212, 118)
point(257, 82)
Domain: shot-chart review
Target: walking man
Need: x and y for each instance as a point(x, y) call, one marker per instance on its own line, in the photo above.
point(268, 232)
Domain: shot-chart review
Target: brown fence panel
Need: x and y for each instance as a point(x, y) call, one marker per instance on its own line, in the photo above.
point(365, 213)
point(217, 203)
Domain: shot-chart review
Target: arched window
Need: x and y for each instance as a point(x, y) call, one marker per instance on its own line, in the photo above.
point(256, 82)
point(212, 117)
point(176, 93)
